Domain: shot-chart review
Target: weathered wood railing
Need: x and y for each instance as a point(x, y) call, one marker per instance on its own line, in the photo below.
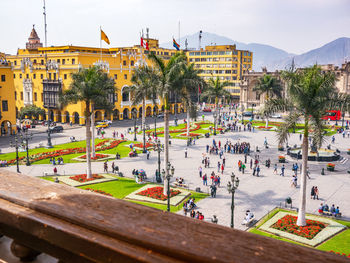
point(74, 225)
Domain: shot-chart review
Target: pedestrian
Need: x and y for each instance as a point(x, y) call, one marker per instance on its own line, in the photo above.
point(257, 170)
point(243, 167)
point(148, 153)
point(251, 163)
point(294, 181)
point(313, 192)
point(333, 139)
point(55, 170)
point(207, 148)
point(186, 152)
point(316, 193)
point(205, 179)
point(105, 167)
point(300, 136)
point(219, 165)
point(282, 170)
point(200, 171)
point(113, 166)
point(275, 169)
point(307, 173)
point(222, 168)
point(224, 161)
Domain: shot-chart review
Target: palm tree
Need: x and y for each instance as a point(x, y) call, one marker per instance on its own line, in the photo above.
point(92, 87)
point(270, 86)
point(144, 80)
point(311, 93)
point(168, 77)
point(216, 89)
point(189, 83)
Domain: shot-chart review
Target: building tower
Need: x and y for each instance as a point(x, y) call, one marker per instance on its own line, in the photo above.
point(33, 40)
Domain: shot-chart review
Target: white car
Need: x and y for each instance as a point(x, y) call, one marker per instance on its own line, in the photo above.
point(108, 122)
point(276, 116)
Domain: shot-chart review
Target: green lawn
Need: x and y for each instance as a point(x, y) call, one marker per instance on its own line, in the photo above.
point(121, 149)
point(124, 186)
point(338, 243)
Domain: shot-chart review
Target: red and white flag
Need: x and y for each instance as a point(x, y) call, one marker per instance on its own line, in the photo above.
point(144, 44)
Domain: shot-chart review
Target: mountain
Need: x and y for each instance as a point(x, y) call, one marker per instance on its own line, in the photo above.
point(262, 54)
point(335, 52)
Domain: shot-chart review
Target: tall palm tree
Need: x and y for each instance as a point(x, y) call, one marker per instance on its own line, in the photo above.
point(270, 86)
point(216, 89)
point(92, 87)
point(144, 81)
point(311, 93)
point(189, 83)
point(168, 77)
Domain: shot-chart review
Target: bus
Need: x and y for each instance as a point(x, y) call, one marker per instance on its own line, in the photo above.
point(332, 115)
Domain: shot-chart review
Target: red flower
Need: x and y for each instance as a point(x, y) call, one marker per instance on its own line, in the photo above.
point(83, 178)
point(157, 193)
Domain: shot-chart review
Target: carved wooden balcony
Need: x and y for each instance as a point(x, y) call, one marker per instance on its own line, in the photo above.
point(75, 225)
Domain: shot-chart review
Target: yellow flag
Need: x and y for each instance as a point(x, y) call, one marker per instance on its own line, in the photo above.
point(104, 37)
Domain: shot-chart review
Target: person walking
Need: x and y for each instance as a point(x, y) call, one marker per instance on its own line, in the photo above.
point(186, 152)
point(113, 167)
point(148, 153)
point(275, 169)
point(251, 164)
point(222, 168)
point(205, 179)
point(219, 165)
point(200, 170)
point(313, 192)
point(105, 167)
point(316, 193)
point(282, 170)
point(258, 170)
point(243, 168)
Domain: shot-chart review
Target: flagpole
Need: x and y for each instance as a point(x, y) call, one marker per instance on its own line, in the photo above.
point(100, 44)
point(179, 35)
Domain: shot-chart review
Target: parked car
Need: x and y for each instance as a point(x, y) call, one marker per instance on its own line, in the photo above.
point(108, 122)
point(248, 114)
point(102, 124)
point(160, 115)
point(276, 116)
point(207, 110)
point(56, 129)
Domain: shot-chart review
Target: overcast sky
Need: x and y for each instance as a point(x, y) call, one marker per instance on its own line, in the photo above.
point(293, 25)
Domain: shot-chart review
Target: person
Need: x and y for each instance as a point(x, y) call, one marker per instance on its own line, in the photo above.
point(213, 190)
point(200, 170)
point(105, 167)
point(243, 167)
point(333, 139)
point(316, 192)
point(186, 152)
point(282, 170)
point(113, 167)
point(265, 142)
point(219, 166)
point(222, 168)
point(248, 217)
point(185, 208)
point(148, 153)
point(294, 181)
point(332, 210)
point(300, 136)
point(55, 170)
point(313, 192)
point(251, 163)
point(275, 168)
point(320, 209)
point(326, 208)
point(337, 211)
point(257, 170)
point(205, 179)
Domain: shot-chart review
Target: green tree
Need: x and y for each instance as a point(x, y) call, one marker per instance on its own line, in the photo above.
point(270, 86)
point(168, 79)
point(215, 89)
point(92, 87)
point(311, 93)
point(144, 81)
point(31, 111)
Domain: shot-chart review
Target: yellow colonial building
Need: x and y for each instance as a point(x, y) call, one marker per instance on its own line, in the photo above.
point(7, 98)
point(225, 62)
point(41, 73)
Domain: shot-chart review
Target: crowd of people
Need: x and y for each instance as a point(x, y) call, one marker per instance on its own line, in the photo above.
point(3, 163)
point(325, 209)
point(55, 161)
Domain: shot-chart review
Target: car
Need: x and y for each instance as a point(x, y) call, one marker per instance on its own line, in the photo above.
point(102, 124)
point(160, 115)
point(248, 114)
point(207, 110)
point(108, 122)
point(56, 129)
point(276, 116)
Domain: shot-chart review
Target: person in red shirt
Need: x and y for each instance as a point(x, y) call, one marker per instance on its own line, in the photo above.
point(222, 168)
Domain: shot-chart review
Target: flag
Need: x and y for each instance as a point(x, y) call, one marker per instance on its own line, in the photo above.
point(176, 45)
point(104, 37)
point(144, 44)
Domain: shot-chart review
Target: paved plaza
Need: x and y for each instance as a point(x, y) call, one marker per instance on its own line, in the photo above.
point(258, 194)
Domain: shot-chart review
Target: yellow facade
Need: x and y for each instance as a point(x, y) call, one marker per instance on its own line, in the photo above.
point(7, 99)
point(40, 72)
point(225, 62)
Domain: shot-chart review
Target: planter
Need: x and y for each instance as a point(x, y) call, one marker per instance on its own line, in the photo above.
point(280, 149)
point(282, 160)
point(331, 169)
point(349, 152)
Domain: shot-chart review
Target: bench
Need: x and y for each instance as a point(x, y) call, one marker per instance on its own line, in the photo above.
point(176, 184)
point(328, 213)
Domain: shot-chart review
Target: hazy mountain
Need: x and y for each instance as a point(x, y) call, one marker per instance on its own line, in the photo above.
point(335, 52)
point(262, 54)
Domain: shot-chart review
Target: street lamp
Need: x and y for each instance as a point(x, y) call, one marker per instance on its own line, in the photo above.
point(215, 115)
point(158, 178)
point(231, 188)
point(16, 145)
point(168, 176)
point(134, 116)
point(26, 138)
point(49, 143)
point(155, 124)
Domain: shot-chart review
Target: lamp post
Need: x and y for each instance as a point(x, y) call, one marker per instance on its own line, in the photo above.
point(134, 116)
point(231, 188)
point(16, 145)
point(215, 115)
point(170, 172)
point(26, 138)
point(158, 178)
point(155, 124)
point(49, 143)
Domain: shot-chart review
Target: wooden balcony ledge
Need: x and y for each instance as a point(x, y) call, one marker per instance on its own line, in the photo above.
point(75, 225)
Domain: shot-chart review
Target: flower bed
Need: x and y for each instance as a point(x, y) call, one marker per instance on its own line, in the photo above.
point(82, 178)
point(281, 159)
point(196, 127)
point(98, 191)
point(288, 224)
point(340, 254)
point(157, 193)
point(330, 167)
point(265, 128)
point(101, 146)
point(97, 156)
point(140, 145)
point(190, 134)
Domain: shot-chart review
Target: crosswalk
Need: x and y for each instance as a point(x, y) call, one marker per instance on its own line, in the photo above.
point(343, 160)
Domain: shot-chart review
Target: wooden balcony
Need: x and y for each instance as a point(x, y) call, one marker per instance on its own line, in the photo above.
point(75, 225)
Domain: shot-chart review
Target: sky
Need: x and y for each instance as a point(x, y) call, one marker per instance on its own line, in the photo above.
point(295, 26)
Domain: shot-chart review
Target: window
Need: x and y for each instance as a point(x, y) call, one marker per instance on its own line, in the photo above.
point(35, 96)
point(115, 76)
point(15, 62)
point(42, 96)
point(34, 76)
point(42, 62)
point(209, 53)
point(15, 95)
point(125, 76)
point(27, 76)
point(58, 61)
point(197, 59)
point(65, 76)
point(34, 61)
point(63, 61)
point(14, 76)
point(20, 76)
point(124, 62)
point(73, 61)
point(227, 71)
point(5, 106)
point(203, 59)
point(132, 63)
point(54, 76)
point(203, 53)
point(49, 75)
point(3, 78)
point(41, 76)
point(21, 95)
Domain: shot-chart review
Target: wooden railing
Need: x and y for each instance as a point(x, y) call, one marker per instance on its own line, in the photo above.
point(75, 225)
